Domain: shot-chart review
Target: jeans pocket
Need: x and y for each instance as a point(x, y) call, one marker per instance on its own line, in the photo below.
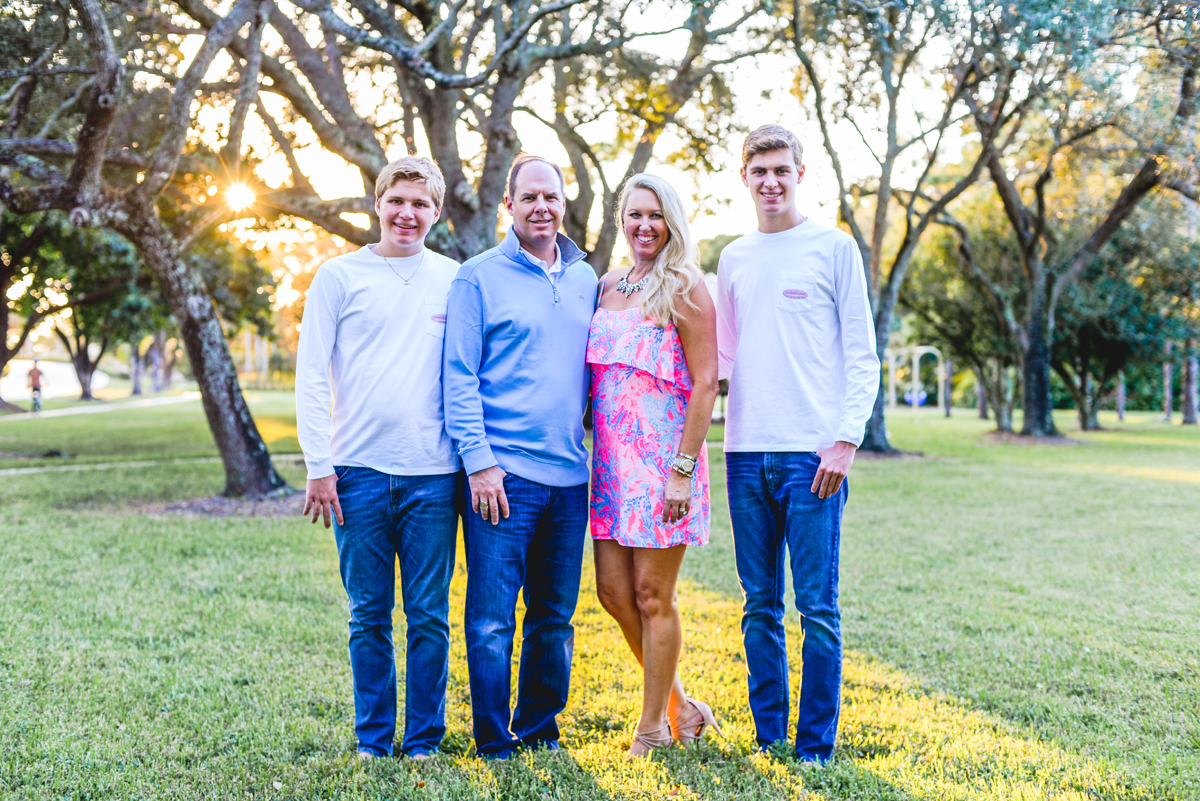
point(341, 472)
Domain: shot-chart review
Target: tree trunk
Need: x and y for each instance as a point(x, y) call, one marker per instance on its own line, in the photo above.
point(1088, 418)
point(1079, 385)
point(1037, 401)
point(876, 437)
point(1168, 389)
point(1000, 397)
point(248, 467)
point(1121, 396)
point(1191, 384)
point(85, 367)
point(83, 372)
point(156, 361)
point(948, 386)
point(137, 362)
point(981, 395)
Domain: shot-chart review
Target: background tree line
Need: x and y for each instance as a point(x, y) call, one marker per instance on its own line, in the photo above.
point(1017, 142)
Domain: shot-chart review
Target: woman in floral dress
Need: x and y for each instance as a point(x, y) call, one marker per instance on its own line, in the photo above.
point(652, 350)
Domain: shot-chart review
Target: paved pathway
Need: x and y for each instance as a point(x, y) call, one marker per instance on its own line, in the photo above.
point(70, 468)
point(104, 407)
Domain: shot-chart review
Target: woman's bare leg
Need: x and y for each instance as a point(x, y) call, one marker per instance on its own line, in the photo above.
point(615, 587)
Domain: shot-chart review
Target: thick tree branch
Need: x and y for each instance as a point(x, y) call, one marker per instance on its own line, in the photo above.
point(247, 93)
point(412, 58)
point(178, 117)
point(325, 213)
point(299, 179)
point(91, 142)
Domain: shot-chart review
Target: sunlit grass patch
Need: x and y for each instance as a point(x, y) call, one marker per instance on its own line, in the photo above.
point(919, 744)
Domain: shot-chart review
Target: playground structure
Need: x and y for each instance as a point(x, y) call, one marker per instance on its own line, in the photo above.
point(896, 356)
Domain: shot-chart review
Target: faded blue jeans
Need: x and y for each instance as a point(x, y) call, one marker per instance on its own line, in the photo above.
point(412, 518)
point(772, 506)
point(537, 551)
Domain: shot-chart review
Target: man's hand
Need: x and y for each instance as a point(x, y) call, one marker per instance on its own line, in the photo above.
point(835, 466)
point(487, 493)
point(320, 496)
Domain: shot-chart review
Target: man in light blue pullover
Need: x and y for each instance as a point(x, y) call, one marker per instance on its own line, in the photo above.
point(515, 386)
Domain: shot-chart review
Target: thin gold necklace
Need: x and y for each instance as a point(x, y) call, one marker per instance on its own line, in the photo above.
point(406, 281)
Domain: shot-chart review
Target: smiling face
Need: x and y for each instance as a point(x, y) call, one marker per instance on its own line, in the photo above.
point(645, 226)
point(537, 205)
point(772, 178)
point(406, 213)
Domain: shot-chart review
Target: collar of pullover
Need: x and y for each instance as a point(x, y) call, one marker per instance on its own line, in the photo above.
point(568, 251)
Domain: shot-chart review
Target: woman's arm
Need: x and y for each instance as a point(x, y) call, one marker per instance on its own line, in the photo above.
point(698, 335)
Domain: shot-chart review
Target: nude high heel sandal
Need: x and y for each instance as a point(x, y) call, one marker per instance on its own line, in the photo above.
point(691, 729)
point(646, 742)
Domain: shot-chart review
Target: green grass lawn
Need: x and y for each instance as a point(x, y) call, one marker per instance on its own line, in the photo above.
point(1021, 623)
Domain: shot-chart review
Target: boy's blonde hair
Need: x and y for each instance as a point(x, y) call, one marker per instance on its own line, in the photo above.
point(766, 138)
point(413, 168)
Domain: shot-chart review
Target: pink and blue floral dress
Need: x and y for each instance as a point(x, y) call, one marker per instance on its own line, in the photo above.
point(640, 391)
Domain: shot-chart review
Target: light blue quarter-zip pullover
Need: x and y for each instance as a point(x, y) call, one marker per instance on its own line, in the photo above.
point(513, 375)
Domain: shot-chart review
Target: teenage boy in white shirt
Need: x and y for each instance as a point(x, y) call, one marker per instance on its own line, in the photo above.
point(797, 344)
point(370, 422)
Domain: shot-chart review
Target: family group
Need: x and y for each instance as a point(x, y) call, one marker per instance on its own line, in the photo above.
point(429, 391)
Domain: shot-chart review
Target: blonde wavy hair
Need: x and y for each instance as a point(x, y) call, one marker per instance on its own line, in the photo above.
point(675, 273)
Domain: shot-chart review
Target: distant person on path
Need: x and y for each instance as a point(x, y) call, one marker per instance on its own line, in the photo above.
point(35, 380)
point(652, 351)
point(797, 343)
point(382, 464)
point(516, 385)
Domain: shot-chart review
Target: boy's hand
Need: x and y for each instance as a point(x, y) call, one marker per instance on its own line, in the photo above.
point(835, 466)
point(320, 496)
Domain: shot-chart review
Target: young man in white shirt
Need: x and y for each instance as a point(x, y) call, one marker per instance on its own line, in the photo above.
point(797, 344)
point(370, 422)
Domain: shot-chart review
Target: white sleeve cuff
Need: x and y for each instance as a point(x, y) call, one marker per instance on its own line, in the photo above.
point(319, 468)
point(852, 435)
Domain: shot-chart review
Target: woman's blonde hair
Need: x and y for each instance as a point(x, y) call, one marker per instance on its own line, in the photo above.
point(675, 273)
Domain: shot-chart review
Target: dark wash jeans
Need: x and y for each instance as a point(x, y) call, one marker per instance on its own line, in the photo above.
point(413, 518)
point(538, 551)
point(771, 505)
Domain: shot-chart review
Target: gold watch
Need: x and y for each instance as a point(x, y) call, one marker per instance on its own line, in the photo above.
point(684, 465)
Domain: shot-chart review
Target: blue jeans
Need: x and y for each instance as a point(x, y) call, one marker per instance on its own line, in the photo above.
point(771, 505)
point(538, 550)
point(413, 518)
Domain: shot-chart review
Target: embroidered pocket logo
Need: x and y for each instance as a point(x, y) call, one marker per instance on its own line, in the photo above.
point(795, 293)
point(438, 318)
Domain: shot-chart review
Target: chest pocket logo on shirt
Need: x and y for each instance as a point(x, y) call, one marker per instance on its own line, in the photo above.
point(795, 293)
point(435, 316)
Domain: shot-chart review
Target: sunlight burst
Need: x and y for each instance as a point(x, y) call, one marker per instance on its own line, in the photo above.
point(239, 196)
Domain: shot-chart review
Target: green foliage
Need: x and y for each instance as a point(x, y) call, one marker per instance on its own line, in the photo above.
point(710, 250)
point(97, 270)
point(240, 285)
point(1137, 296)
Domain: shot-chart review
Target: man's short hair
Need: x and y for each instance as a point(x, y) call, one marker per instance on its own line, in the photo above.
point(766, 138)
point(413, 168)
point(524, 158)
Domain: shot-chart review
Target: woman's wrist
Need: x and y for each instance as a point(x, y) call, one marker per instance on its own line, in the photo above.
point(684, 464)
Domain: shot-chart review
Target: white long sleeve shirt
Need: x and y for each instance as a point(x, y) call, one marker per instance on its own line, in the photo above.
point(796, 340)
point(369, 366)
